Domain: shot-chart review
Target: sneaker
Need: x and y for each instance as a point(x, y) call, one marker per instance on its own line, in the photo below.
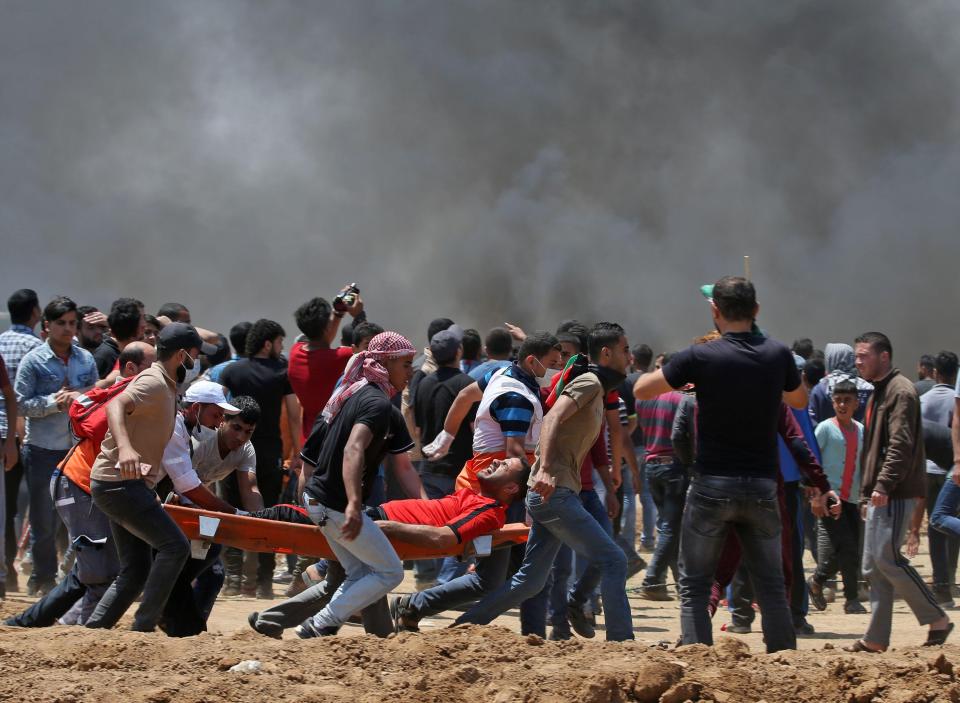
point(399, 612)
point(854, 607)
point(802, 627)
point(581, 623)
point(282, 577)
point(307, 631)
point(248, 591)
point(296, 587)
point(558, 635)
point(230, 590)
point(264, 591)
point(655, 593)
point(252, 619)
point(815, 589)
point(739, 629)
point(635, 566)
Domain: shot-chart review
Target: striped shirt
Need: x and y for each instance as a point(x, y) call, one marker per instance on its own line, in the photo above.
point(655, 421)
point(14, 345)
point(512, 411)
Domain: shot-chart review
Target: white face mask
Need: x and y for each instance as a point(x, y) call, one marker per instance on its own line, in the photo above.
point(546, 380)
point(190, 374)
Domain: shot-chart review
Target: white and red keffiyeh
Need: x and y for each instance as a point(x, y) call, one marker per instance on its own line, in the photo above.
point(365, 367)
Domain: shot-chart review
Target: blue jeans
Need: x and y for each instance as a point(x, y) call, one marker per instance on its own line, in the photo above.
point(668, 486)
point(648, 509)
point(588, 574)
point(562, 520)
point(943, 544)
point(533, 611)
point(39, 466)
point(489, 575)
point(944, 516)
point(628, 515)
point(440, 570)
point(715, 505)
point(139, 525)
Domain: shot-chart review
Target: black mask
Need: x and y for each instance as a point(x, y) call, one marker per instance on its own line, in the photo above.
point(608, 377)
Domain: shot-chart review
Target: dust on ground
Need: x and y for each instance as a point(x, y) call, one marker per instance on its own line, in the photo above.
point(71, 664)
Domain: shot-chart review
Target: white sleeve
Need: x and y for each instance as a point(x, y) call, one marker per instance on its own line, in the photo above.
point(176, 459)
point(248, 460)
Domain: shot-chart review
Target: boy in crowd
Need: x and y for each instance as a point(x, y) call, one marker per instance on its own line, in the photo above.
point(841, 444)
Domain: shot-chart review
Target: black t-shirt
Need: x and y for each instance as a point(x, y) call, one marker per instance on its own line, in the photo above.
point(739, 379)
point(106, 356)
point(435, 395)
point(264, 380)
point(324, 448)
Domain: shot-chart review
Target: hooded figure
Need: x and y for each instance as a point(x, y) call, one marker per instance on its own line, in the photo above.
point(840, 367)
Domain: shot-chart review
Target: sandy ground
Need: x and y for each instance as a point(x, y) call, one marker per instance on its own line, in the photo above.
point(68, 664)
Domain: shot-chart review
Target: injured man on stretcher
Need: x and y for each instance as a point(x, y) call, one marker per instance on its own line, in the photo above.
point(438, 524)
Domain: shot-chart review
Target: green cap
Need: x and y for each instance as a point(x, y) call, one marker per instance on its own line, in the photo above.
point(707, 291)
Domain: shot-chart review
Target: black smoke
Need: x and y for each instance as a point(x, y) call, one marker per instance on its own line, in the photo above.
point(489, 161)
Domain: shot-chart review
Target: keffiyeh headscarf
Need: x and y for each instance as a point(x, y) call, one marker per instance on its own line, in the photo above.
point(366, 367)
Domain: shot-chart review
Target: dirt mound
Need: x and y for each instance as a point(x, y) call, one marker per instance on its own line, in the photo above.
point(69, 664)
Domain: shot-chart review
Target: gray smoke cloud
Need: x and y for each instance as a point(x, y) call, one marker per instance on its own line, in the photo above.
point(489, 161)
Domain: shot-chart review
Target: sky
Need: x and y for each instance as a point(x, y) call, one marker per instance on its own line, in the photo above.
point(490, 161)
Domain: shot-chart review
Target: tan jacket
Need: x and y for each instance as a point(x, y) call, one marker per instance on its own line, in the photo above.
point(894, 462)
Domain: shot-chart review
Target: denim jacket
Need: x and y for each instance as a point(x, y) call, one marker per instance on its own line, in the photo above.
point(41, 374)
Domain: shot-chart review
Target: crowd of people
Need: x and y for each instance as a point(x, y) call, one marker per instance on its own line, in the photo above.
point(724, 462)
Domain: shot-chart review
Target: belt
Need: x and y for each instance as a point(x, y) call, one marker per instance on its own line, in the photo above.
point(660, 460)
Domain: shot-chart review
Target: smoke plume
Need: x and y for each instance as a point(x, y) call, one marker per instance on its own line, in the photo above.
point(489, 161)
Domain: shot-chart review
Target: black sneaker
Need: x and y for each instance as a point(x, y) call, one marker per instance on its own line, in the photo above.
point(252, 619)
point(558, 635)
point(399, 610)
point(265, 591)
point(815, 590)
point(635, 566)
point(739, 629)
point(307, 631)
point(802, 627)
point(581, 623)
point(854, 607)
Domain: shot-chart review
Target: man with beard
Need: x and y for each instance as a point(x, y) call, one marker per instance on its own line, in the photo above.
point(893, 487)
point(141, 422)
point(263, 377)
point(553, 499)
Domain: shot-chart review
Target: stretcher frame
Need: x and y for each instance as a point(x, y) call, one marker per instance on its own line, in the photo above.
point(206, 527)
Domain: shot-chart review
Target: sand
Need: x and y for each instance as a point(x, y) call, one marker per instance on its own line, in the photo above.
point(69, 664)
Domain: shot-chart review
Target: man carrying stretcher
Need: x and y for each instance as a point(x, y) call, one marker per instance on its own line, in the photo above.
point(438, 524)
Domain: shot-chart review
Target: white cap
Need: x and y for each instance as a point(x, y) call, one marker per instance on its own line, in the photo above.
point(209, 392)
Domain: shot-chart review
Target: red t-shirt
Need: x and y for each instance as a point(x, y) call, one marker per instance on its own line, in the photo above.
point(466, 512)
point(313, 374)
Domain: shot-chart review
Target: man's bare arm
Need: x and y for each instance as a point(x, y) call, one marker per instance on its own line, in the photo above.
point(407, 476)
point(650, 385)
point(208, 500)
point(797, 398)
point(250, 491)
point(461, 407)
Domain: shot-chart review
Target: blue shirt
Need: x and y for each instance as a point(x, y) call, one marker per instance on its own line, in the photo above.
point(833, 447)
point(41, 374)
point(487, 366)
point(14, 344)
point(788, 465)
point(213, 373)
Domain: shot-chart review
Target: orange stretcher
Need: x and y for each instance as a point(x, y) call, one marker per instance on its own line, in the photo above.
point(204, 527)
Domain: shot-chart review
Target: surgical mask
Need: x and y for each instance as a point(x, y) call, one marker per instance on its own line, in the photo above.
point(546, 380)
point(186, 374)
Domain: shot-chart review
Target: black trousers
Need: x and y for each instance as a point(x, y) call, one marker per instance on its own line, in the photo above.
point(270, 482)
